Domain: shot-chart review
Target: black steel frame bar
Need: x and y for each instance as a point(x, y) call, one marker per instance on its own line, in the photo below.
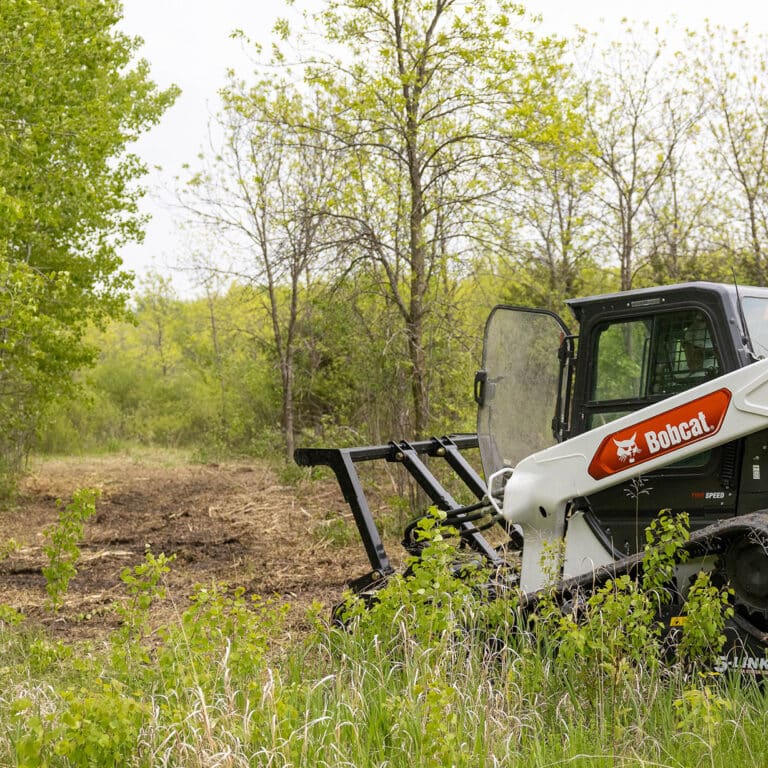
point(342, 461)
point(442, 499)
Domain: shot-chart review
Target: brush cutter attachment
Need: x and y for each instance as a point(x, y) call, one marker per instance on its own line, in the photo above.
point(469, 520)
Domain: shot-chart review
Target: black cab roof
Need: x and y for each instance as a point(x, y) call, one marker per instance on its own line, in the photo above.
point(660, 295)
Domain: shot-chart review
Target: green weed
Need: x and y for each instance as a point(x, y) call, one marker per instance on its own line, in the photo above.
point(9, 616)
point(144, 584)
point(8, 547)
point(62, 543)
point(337, 531)
point(431, 674)
point(98, 725)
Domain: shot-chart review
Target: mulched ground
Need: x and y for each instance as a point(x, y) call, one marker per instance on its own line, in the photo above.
point(233, 522)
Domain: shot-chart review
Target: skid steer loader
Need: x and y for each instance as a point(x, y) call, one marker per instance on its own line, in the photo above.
point(661, 401)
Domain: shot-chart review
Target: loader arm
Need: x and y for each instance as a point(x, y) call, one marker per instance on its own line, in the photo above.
point(540, 488)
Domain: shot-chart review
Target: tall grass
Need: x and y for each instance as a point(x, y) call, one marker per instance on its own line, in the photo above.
point(430, 675)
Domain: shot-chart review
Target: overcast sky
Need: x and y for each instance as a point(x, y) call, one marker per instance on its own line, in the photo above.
point(187, 42)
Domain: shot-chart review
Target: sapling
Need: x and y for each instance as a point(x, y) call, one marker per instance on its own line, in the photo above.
point(63, 543)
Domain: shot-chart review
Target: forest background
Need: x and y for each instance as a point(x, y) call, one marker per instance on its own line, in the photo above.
point(390, 171)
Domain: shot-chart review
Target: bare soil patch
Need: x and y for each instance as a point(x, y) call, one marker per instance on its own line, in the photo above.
point(233, 522)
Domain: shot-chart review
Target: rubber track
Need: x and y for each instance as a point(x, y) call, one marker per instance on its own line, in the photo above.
point(710, 540)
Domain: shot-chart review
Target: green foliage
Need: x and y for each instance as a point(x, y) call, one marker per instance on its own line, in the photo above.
point(144, 584)
point(621, 628)
point(454, 160)
point(222, 639)
point(431, 675)
point(8, 547)
point(587, 667)
point(617, 628)
point(9, 616)
point(229, 404)
point(701, 711)
point(707, 608)
point(336, 531)
point(665, 538)
point(439, 87)
point(62, 543)
point(171, 388)
point(465, 178)
point(44, 655)
point(71, 102)
point(429, 602)
point(98, 725)
point(430, 713)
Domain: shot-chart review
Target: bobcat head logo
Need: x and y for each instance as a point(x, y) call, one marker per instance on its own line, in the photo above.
point(626, 450)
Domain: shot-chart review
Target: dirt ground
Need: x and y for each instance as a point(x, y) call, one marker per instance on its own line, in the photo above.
point(233, 522)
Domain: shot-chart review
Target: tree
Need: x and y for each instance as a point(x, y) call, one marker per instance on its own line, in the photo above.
point(682, 211)
point(71, 102)
point(267, 192)
point(639, 121)
point(432, 98)
point(682, 217)
point(159, 307)
point(730, 69)
point(554, 244)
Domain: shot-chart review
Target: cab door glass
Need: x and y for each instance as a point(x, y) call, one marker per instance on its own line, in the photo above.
point(622, 353)
point(646, 359)
point(658, 355)
point(517, 389)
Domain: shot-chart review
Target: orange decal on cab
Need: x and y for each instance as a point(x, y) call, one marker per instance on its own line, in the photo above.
point(687, 423)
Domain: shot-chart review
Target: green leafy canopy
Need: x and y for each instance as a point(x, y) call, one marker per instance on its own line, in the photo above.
point(72, 99)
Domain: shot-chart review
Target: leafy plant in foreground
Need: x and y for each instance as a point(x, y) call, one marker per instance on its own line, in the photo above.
point(95, 725)
point(707, 609)
point(429, 602)
point(223, 637)
point(63, 539)
point(144, 585)
point(8, 547)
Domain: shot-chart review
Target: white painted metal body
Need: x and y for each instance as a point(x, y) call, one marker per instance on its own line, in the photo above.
point(537, 493)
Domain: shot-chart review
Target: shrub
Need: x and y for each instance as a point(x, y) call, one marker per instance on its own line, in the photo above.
point(63, 539)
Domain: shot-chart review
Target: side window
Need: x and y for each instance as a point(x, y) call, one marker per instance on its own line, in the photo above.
point(684, 354)
point(622, 352)
point(756, 314)
point(656, 355)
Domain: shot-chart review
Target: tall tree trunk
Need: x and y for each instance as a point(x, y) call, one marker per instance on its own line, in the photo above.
point(417, 309)
point(223, 421)
point(288, 422)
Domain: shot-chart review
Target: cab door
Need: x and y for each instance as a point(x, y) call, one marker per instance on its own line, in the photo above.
point(520, 388)
point(631, 362)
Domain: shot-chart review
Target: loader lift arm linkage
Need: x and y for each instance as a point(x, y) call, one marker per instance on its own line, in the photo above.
point(541, 486)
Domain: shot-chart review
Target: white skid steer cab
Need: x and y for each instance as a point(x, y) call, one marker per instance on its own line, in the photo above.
point(660, 402)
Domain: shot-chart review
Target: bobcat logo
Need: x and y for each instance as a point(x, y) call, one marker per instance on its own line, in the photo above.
point(627, 449)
